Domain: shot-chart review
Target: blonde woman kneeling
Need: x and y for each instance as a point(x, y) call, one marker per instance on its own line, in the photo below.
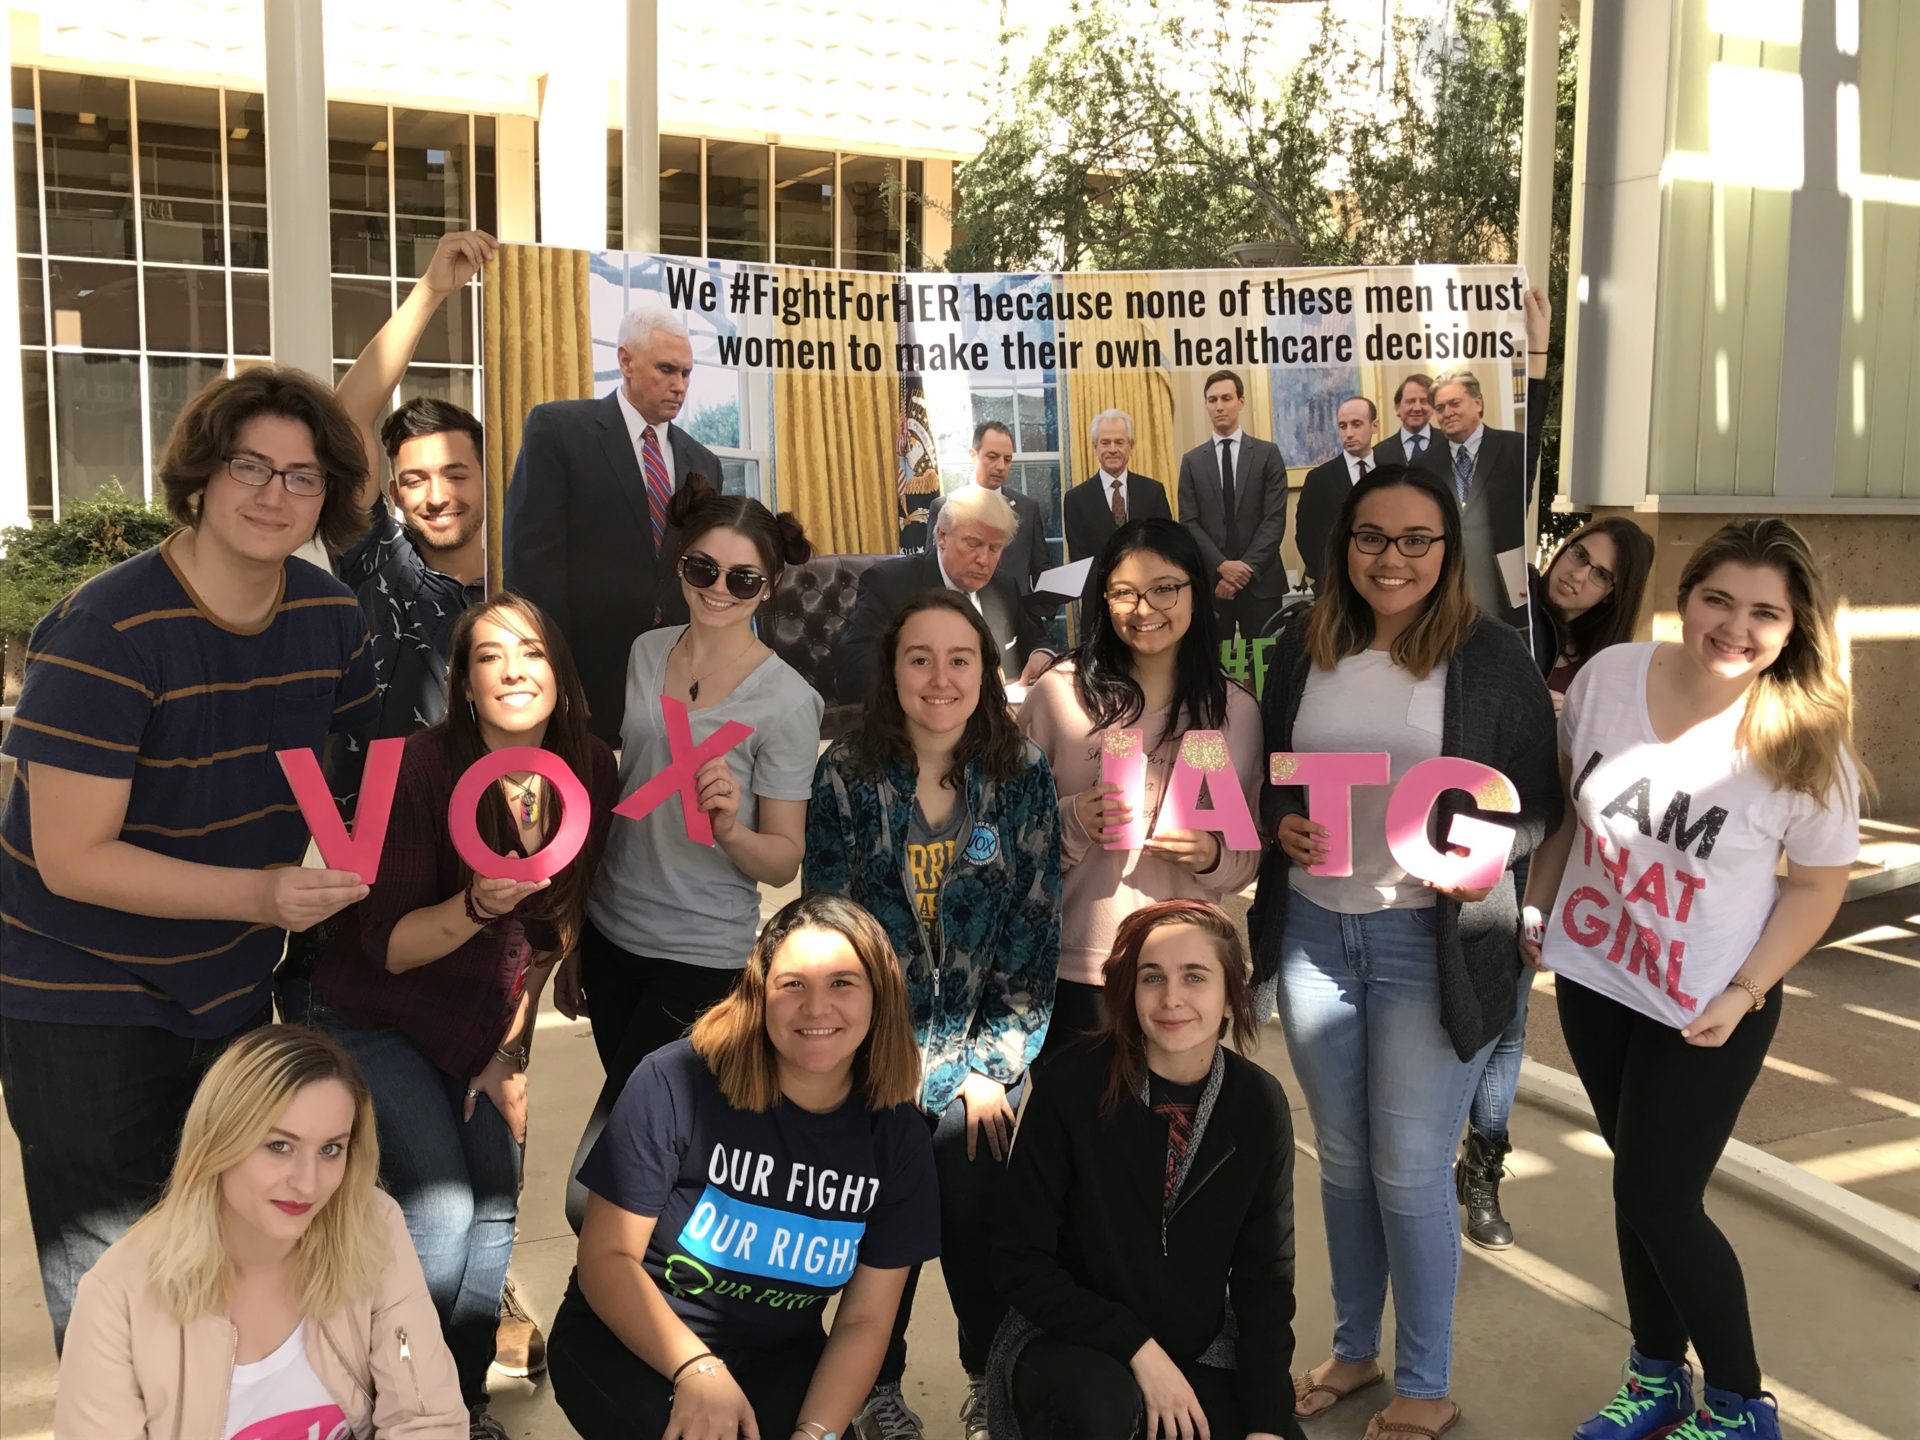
point(272, 1294)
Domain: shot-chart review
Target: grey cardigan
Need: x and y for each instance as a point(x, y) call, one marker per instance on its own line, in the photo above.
point(1497, 712)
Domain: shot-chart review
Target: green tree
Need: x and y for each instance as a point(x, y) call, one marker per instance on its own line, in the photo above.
point(44, 562)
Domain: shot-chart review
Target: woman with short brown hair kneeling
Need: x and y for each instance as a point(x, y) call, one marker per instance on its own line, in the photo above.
point(748, 1173)
point(1151, 1136)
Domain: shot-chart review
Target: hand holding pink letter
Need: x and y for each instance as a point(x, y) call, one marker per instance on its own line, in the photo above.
point(1123, 762)
point(683, 774)
point(576, 814)
point(1487, 845)
point(1329, 781)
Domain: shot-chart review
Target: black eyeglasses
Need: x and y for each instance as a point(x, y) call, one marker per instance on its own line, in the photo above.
point(1161, 597)
point(743, 581)
point(1583, 561)
point(1372, 542)
point(300, 481)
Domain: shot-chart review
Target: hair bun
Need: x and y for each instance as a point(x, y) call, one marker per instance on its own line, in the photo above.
point(695, 491)
point(795, 548)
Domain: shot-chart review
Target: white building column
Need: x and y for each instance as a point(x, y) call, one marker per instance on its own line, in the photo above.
point(13, 420)
point(640, 168)
point(1536, 139)
point(298, 234)
point(573, 151)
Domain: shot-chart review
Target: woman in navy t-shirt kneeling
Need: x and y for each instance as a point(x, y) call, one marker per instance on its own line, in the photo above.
point(749, 1172)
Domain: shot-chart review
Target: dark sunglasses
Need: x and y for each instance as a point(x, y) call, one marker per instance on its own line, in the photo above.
point(743, 581)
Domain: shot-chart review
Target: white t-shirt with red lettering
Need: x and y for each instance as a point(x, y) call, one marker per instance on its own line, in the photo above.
point(1672, 875)
point(280, 1398)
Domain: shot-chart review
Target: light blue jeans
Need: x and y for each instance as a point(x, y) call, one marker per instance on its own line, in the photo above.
point(1499, 1083)
point(1359, 1001)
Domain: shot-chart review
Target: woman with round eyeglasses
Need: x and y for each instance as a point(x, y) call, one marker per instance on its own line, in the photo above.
point(1149, 661)
point(1390, 991)
point(670, 920)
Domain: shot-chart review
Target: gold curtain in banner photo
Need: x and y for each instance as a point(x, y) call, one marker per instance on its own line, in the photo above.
point(1146, 395)
point(536, 345)
point(834, 462)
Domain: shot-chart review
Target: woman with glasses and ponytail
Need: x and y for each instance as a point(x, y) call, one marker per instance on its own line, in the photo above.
point(670, 919)
point(1391, 992)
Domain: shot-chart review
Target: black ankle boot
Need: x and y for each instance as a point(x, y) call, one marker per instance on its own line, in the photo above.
point(1476, 1180)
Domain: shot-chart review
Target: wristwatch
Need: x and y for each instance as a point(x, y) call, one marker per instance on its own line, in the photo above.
point(1759, 995)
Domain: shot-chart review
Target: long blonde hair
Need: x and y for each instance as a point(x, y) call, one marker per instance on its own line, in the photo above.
point(344, 1251)
point(1799, 722)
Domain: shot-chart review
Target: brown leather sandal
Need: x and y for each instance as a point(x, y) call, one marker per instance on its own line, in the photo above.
point(1304, 1389)
point(1380, 1428)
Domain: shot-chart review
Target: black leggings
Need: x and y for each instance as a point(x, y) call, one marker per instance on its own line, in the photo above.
point(1063, 1391)
point(609, 1393)
point(636, 1004)
point(1666, 1109)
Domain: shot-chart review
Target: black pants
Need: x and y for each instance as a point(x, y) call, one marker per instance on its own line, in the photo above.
point(635, 1004)
point(609, 1393)
point(1063, 1391)
point(98, 1110)
point(1666, 1109)
point(1254, 614)
point(1077, 1010)
point(970, 1208)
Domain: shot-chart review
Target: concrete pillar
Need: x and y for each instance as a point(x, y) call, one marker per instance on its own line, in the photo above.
point(640, 190)
point(13, 420)
point(573, 152)
point(1536, 139)
point(513, 157)
point(298, 236)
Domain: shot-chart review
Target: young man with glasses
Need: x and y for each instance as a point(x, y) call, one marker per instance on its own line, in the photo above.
point(150, 849)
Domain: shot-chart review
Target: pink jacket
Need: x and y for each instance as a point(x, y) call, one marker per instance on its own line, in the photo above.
point(130, 1371)
point(1100, 887)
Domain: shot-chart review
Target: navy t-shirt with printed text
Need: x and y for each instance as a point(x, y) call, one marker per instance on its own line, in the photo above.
point(760, 1217)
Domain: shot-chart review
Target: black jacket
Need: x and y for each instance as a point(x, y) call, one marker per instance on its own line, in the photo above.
point(1497, 712)
point(885, 587)
point(1089, 512)
point(1089, 1254)
point(578, 540)
point(1322, 494)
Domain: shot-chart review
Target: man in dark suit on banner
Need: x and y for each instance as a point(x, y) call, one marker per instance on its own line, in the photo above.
point(1413, 407)
point(586, 532)
point(1488, 472)
point(1113, 494)
point(970, 544)
point(992, 460)
point(1233, 497)
point(1326, 487)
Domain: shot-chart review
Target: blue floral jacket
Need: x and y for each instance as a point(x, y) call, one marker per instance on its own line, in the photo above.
point(984, 1003)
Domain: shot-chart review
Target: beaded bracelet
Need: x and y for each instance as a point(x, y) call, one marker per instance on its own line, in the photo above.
point(475, 912)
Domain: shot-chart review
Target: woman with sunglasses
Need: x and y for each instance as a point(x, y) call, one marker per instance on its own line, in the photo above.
point(1149, 661)
point(670, 920)
point(1391, 992)
point(1590, 599)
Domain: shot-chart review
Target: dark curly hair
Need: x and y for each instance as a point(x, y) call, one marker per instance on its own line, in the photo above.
point(991, 737)
point(697, 507)
point(203, 438)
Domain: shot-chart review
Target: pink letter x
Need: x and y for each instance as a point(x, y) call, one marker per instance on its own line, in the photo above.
point(687, 760)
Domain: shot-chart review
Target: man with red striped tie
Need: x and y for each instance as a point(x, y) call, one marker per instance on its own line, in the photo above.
point(586, 523)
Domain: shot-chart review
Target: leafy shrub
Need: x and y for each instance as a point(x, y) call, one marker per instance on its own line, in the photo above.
point(44, 562)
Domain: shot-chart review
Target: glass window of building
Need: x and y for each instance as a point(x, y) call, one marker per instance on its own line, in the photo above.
point(246, 122)
point(97, 423)
point(803, 206)
point(358, 177)
point(736, 200)
point(431, 170)
point(616, 190)
point(180, 192)
point(26, 166)
point(33, 398)
point(680, 191)
point(86, 154)
point(870, 210)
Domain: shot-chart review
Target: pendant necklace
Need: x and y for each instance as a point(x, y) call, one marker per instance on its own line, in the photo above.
point(526, 798)
point(693, 687)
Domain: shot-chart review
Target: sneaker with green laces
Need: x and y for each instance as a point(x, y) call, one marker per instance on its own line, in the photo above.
point(1724, 1415)
point(1657, 1396)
